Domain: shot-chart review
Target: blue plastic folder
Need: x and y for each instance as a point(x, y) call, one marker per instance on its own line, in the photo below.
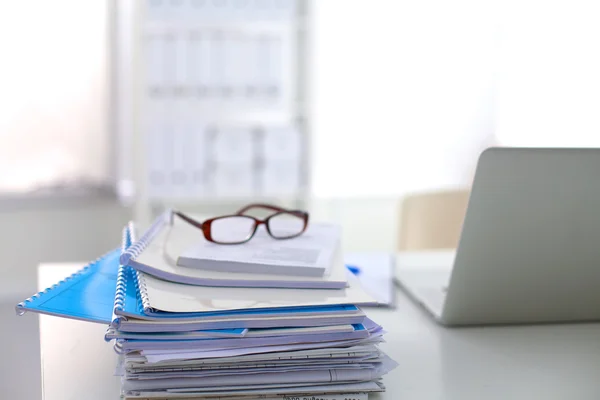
point(91, 294)
point(86, 295)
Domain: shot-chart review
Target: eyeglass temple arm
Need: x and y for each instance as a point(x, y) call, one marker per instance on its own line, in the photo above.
point(187, 219)
point(260, 205)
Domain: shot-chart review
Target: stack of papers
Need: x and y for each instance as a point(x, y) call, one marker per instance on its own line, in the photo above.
point(182, 341)
point(332, 360)
point(157, 252)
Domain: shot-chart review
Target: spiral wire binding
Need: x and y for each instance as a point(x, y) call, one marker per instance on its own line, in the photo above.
point(111, 333)
point(140, 284)
point(121, 288)
point(138, 246)
point(21, 308)
point(118, 347)
point(122, 275)
point(120, 292)
point(138, 297)
point(127, 238)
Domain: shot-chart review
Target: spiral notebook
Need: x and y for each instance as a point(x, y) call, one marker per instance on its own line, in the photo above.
point(157, 250)
point(178, 303)
point(206, 343)
point(129, 304)
point(106, 292)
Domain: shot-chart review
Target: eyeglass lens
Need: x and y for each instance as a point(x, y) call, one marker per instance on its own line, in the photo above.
point(284, 225)
point(232, 229)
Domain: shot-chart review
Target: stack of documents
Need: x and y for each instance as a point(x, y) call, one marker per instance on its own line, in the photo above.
point(182, 341)
point(337, 359)
point(167, 249)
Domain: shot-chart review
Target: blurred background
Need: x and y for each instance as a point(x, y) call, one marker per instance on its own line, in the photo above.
point(112, 110)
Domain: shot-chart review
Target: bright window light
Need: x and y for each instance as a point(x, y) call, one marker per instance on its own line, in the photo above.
point(54, 84)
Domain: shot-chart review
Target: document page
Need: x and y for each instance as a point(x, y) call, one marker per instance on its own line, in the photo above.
point(310, 254)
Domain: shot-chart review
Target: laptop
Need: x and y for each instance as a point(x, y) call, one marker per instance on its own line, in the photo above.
point(529, 250)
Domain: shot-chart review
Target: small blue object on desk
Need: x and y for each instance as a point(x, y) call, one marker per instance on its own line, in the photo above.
point(353, 268)
point(375, 272)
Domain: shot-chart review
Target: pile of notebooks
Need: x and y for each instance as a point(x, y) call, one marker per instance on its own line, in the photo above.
point(185, 333)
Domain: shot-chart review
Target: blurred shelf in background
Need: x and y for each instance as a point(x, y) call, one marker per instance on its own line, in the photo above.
point(210, 101)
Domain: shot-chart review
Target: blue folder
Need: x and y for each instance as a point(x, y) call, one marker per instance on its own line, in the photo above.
point(86, 295)
point(89, 295)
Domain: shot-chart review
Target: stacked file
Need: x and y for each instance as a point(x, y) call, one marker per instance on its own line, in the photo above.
point(340, 359)
point(182, 341)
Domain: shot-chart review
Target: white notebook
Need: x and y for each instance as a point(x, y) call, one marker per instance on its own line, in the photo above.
point(310, 254)
point(156, 252)
point(168, 296)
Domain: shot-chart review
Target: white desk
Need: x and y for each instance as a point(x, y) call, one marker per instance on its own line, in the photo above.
point(528, 362)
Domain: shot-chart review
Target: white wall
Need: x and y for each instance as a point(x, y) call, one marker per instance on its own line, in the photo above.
point(549, 74)
point(403, 94)
point(407, 93)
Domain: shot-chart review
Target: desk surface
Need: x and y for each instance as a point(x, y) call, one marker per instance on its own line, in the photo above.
point(519, 362)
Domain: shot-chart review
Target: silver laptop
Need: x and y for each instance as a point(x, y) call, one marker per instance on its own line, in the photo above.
point(529, 251)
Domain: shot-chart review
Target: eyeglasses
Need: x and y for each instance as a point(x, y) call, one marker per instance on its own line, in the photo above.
point(240, 228)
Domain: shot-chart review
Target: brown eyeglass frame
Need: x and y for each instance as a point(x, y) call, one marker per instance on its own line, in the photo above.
point(205, 226)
